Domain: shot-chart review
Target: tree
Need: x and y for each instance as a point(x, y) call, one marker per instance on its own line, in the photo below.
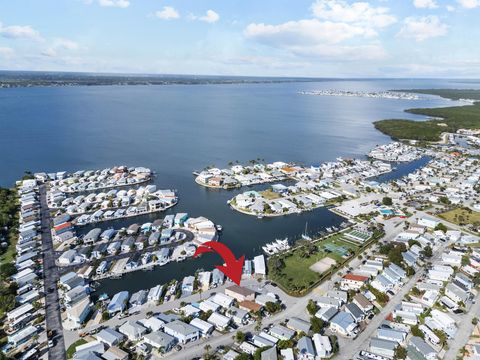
point(285, 344)
point(441, 227)
point(427, 251)
point(387, 201)
point(7, 270)
point(474, 321)
point(400, 353)
point(312, 307)
point(417, 332)
point(105, 316)
point(243, 356)
point(317, 324)
point(272, 307)
point(240, 337)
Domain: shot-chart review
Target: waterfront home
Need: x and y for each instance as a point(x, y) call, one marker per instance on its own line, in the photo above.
point(138, 298)
point(107, 234)
point(160, 340)
point(187, 285)
point(118, 302)
point(218, 277)
point(127, 244)
point(181, 331)
point(132, 330)
point(79, 312)
point(75, 295)
point(155, 293)
point(204, 280)
point(180, 219)
point(204, 327)
point(259, 265)
point(110, 336)
point(323, 346)
point(71, 280)
point(92, 236)
point(343, 323)
point(306, 350)
point(133, 229)
point(103, 267)
point(154, 238)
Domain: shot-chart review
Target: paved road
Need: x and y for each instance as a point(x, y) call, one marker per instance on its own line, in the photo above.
point(52, 307)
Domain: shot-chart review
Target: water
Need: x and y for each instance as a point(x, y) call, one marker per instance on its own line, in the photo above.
point(180, 128)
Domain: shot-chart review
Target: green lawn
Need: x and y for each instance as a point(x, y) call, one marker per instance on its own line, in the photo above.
point(462, 216)
point(71, 348)
point(295, 276)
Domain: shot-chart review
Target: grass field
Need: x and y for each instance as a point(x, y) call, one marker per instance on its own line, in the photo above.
point(295, 275)
point(462, 216)
point(270, 195)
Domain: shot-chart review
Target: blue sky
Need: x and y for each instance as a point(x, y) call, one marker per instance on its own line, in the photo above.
point(321, 38)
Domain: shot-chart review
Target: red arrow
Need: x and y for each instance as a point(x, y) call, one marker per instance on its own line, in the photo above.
point(233, 268)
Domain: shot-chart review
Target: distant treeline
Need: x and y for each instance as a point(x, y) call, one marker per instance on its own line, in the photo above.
point(446, 119)
point(33, 79)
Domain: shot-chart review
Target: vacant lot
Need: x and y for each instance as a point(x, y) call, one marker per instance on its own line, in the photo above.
point(270, 195)
point(462, 216)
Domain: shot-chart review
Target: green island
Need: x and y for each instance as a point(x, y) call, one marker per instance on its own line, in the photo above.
point(445, 119)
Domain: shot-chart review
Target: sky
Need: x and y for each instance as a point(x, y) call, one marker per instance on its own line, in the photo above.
point(312, 38)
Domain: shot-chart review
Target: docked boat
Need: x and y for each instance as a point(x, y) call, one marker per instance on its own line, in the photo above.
point(219, 227)
point(276, 246)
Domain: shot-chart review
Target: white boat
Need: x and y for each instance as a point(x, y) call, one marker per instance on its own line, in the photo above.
point(304, 235)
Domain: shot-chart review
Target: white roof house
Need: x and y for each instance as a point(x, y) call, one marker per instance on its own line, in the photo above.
point(259, 265)
point(204, 327)
point(132, 330)
point(221, 322)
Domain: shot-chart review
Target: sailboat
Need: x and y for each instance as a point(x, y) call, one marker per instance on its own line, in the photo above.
point(305, 234)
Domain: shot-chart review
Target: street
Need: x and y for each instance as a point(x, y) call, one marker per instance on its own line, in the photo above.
point(51, 276)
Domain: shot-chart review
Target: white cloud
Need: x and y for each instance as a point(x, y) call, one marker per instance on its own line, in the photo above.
point(423, 28)
point(306, 32)
point(450, 8)
point(314, 38)
point(59, 45)
point(114, 3)
point(6, 52)
point(210, 17)
point(20, 32)
point(469, 4)
point(357, 12)
point(168, 13)
point(425, 4)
